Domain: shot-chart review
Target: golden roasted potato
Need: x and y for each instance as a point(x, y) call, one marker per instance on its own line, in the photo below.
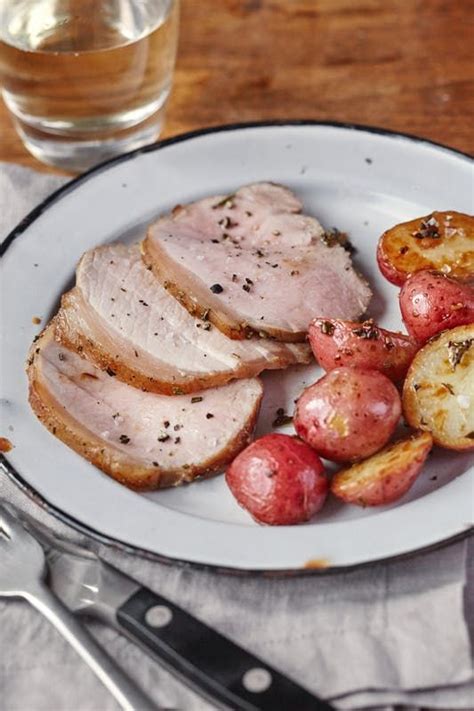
point(442, 241)
point(438, 394)
point(386, 476)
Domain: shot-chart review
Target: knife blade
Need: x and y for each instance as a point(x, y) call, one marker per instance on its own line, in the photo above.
point(211, 663)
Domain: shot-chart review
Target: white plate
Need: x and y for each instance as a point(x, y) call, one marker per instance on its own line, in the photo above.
point(360, 180)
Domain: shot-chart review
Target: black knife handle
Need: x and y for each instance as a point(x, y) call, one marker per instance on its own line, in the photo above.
point(211, 662)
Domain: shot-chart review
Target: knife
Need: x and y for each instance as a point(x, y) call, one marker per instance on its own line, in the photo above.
point(211, 663)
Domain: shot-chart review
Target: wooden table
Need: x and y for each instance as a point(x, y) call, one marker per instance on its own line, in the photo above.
point(400, 64)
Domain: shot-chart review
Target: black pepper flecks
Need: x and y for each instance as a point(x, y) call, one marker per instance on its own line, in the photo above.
point(198, 398)
point(124, 439)
point(334, 236)
point(216, 289)
point(367, 330)
point(429, 228)
point(281, 418)
point(327, 328)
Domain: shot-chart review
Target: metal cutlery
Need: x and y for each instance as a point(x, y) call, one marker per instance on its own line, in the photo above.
point(22, 571)
point(203, 658)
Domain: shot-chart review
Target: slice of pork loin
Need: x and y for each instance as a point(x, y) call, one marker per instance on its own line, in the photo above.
point(123, 320)
point(254, 264)
point(143, 440)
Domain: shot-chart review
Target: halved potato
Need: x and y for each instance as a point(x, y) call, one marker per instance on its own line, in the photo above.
point(438, 394)
point(442, 241)
point(386, 476)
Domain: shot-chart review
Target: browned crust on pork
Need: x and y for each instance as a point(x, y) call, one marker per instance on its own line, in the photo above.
point(175, 385)
point(109, 459)
point(222, 320)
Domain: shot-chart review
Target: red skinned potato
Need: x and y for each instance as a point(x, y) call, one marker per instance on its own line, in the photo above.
point(386, 476)
point(431, 302)
point(348, 414)
point(279, 480)
point(442, 241)
point(338, 343)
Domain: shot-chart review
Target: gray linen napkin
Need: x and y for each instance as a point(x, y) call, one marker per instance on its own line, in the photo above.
point(394, 633)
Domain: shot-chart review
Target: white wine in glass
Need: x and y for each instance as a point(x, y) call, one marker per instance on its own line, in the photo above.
point(87, 79)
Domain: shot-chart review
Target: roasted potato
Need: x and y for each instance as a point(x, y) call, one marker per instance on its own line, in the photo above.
point(432, 302)
point(361, 345)
point(348, 414)
point(386, 476)
point(438, 394)
point(279, 480)
point(442, 241)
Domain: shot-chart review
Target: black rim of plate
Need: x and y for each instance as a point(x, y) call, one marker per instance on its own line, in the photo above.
point(71, 185)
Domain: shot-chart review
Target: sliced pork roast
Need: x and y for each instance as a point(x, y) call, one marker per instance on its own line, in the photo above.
point(143, 440)
point(254, 265)
point(124, 321)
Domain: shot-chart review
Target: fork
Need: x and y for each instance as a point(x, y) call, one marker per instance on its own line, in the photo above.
point(22, 572)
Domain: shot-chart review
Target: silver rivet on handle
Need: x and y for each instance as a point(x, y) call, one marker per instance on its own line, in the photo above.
point(158, 616)
point(257, 680)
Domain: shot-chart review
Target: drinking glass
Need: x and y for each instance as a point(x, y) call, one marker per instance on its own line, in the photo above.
point(87, 79)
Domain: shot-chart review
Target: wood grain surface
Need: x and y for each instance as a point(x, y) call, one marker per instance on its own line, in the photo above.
point(400, 64)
